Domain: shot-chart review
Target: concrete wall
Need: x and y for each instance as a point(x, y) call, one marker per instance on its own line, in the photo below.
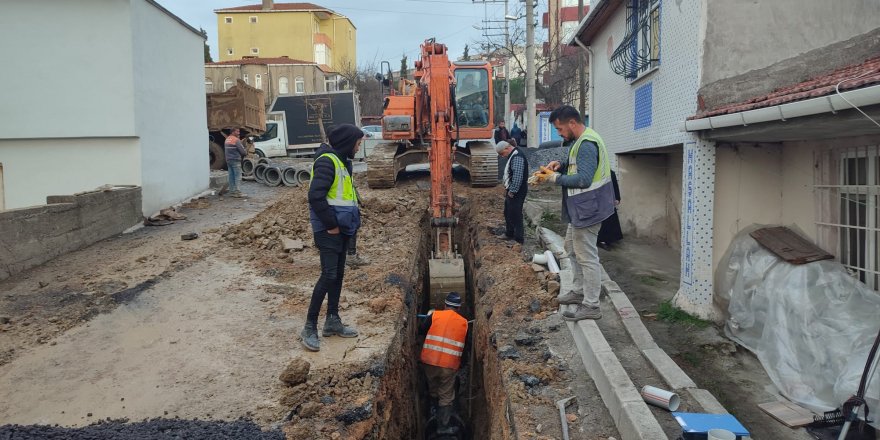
point(36, 168)
point(755, 46)
point(32, 236)
point(72, 73)
point(748, 190)
point(673, 85)
point(169, 107)
point(643, 183)
point(673, 199)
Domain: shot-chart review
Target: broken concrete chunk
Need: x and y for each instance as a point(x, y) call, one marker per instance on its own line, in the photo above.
point(289, 244)
point(297, 372)
point(309, 409)
point(553, 287)
point(537, 267)
point(508, 352)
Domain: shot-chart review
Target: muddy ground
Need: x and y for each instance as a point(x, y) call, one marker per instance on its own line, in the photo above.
point(146, 326)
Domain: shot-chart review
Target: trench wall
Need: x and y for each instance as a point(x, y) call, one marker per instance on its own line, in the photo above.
point(31, 236)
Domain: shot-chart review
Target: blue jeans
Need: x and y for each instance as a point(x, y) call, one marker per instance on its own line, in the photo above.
point(234, 167)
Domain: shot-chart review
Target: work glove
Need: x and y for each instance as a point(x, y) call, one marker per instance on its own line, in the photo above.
point(544, 174)
point(430, 312)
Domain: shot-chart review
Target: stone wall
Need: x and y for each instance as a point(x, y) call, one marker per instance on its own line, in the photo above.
point(31, 236)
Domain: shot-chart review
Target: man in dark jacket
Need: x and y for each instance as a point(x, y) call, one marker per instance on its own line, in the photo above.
point(335, 217)
point(515, 189)
point(501, 133)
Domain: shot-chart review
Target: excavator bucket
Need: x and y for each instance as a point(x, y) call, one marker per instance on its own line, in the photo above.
point(446, 275)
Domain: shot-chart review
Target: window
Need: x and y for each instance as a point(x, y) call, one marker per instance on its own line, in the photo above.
point(246, 79)
point(299, 85)
point(283, 85)
point(321, 53)
point(350, 34)
point(258, 81)
point(255, 51)
point(331, 83)
point(227, 20)
point(227, 83)
point(639, 52)
point(209, 86)
point(229, 51)
point(253, 19)
point(472, 97)
point(270, 133)
point(848, 198)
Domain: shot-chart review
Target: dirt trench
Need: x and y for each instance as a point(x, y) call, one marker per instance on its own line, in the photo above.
point(236, 301)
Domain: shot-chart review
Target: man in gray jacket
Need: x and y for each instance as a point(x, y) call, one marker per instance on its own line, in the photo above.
point(587, 199)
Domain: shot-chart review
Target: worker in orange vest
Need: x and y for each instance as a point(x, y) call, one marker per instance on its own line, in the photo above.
point(441, 357)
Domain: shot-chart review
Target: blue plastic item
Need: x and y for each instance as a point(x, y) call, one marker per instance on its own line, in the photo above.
point(696, 426)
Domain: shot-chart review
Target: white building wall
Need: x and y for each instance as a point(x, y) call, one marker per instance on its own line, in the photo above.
point(170, 113)
point(674, 85)
point(36, 168)
point(68, 70)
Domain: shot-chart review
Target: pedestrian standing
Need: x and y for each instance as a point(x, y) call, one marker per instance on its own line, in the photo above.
point(501, 133)
point(335, 217)
point(516, 134)
point(235, 152)
point(587, 199)
point(515, 189)
point(610, 232)
point(442, 354)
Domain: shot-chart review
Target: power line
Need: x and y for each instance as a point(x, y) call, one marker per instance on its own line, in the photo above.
point(424, 14)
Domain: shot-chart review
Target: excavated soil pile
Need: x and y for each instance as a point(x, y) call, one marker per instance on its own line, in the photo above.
point(151, 429)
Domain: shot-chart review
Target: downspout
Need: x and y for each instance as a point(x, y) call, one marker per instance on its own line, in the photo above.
point(590, 84)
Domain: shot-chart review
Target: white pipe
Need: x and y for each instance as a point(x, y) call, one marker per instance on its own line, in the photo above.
point(590, 80)
point(551, 262)
point(823, 104)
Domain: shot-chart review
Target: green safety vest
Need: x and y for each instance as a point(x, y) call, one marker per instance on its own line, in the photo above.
point(603, 170)
point(342, 191)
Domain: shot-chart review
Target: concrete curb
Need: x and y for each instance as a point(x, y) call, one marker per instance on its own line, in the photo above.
point(671, 373)
point(631, 414)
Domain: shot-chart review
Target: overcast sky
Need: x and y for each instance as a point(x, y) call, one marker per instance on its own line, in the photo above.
point(386, 29)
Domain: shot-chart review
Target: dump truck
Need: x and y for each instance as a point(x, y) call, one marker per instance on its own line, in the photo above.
point(299, 123)
point(239, 107)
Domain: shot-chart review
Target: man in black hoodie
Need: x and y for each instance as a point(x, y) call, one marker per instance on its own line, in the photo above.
point(335, 217)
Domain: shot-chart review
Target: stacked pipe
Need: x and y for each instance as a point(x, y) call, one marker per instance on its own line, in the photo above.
point(274, 174)
point(247, 169)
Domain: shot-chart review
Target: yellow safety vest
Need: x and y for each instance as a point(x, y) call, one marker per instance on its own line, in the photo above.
point(603, 170)
point(342, 191)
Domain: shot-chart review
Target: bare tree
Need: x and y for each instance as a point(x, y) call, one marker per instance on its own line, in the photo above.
point(558, 66)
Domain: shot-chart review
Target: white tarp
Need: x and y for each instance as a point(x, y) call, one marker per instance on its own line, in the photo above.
point(810, 325)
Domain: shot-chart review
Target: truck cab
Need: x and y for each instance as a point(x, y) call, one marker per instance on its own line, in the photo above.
point(273, 142)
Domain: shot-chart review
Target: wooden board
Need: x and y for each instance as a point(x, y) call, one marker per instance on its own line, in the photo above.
point(790, 414)
point(789, 246)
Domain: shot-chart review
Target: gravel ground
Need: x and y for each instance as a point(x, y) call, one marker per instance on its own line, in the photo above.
point(149, 429)
point(537, 157)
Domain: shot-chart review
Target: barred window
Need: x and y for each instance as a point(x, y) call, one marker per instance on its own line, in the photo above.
point(848, 209)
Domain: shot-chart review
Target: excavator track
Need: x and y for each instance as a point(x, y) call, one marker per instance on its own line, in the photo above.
point(381, 166)
point(483, 164)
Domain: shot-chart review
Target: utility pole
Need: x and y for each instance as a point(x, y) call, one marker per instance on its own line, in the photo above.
point(582, 102)
point(508, 123)
point(532, 124)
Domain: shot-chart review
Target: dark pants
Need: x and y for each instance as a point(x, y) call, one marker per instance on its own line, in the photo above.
point(513, 217)
point(332, 251)
point(353, 244)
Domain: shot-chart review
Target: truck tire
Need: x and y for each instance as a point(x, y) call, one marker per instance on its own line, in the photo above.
point(216, 156)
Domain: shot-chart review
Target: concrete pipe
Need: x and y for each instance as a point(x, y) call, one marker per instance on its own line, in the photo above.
point(264, 160)
point(288, 176)
point(247, 167)
point(260, 173)
point(272, 176)
point(303, 176)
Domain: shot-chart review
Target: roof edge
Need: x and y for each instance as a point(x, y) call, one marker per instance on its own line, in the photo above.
point(178, 19)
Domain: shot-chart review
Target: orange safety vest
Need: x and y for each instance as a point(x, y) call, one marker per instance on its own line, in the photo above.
point(231, 140)
point(445, 341)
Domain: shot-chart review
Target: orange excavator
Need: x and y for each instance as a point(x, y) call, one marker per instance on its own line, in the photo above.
point(443, 116)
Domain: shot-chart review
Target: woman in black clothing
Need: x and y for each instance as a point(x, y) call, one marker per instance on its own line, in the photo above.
point(610, 231)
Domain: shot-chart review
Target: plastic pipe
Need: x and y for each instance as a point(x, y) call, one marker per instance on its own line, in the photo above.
point(551, 262)
point(661, 398)
point(539, 259)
